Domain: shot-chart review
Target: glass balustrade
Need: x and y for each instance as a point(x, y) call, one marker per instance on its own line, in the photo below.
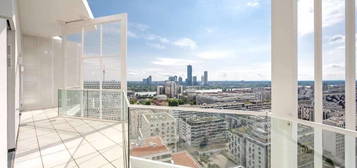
point(190, 138)
point(91, 103)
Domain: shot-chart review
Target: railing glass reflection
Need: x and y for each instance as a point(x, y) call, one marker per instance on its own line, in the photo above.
point(205, 139)
point(91, 103)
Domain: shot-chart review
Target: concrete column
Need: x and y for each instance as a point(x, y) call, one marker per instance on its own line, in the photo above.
point(318, 61)
point(284, 83)
point(350, 87)
point(3, 91)
point(283, 144)
point(284, 58)
point(318, 113)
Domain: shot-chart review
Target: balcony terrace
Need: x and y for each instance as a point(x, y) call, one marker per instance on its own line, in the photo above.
point(51, 118)
point(47, 140)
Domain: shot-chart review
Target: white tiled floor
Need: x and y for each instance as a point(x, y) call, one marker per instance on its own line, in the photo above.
point(48, 141)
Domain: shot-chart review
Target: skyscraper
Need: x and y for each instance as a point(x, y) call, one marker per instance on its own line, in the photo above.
point(189, 74)
point(180, 80)
point(194, 80)
point(205, 78)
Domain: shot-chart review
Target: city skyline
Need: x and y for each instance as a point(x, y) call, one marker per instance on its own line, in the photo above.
point(222, 42)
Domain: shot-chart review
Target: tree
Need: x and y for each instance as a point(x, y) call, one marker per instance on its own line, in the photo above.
point(133, 101)
point(173, 102)
point(147, 102)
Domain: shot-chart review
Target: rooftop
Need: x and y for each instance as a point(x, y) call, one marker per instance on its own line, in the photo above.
point(158, 117)
point(148, 146)
point(185, 159)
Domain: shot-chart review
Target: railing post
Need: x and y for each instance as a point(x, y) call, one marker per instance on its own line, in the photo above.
point(284, 58)
point(318, 152)
point(102, 68)
point(283, 144)
point(284, 83)
point(350, 87)
point(81, 73)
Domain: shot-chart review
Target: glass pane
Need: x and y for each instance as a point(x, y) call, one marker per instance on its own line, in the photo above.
point(69, 102)
point(333, 13)
point(333, 145)
point(92, 72)
point(111, 72)
point(306, 59)
point(111, 39)
point(92, 40)
point(73, 51)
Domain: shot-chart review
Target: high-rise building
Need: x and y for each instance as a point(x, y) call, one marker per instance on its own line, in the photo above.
point(173, 78)
point(147, 81)
point(171, 89)
point(205, 78)
point(194, 80)
point(189, 75)
point(160, 90)
point(180, 80)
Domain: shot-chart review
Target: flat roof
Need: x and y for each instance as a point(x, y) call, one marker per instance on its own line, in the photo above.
point(184, 159)
point(161, 116)
point(149, 146)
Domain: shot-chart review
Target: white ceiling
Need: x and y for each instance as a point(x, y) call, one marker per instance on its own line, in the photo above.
point(44, 17)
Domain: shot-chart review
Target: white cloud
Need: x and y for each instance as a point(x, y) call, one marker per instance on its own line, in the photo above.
point(258, 71)
point(172, 61)
point(214, 54)
point(132, 34)
point(337, 39)
point(139, 26)
point(156, 45)
point(305, 17)
point(156, 37)
point(332, 14)
point(185, 43)
point(253, 3)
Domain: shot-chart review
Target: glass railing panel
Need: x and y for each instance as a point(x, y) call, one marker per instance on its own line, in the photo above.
point(221, 139)
point(111, 105)
point(103, 104)
point(305, 145)
point(69, 102)
point(198, 139)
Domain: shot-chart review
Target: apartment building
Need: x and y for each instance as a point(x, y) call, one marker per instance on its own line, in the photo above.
point(202, 131)
point(249, 146)
point(159, 124)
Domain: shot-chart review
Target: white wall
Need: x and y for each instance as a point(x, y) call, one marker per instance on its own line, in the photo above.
point(49, 64)
point(3, 91)
point(43, 72)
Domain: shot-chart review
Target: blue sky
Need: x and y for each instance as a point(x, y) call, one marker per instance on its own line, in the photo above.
point(229, 38)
